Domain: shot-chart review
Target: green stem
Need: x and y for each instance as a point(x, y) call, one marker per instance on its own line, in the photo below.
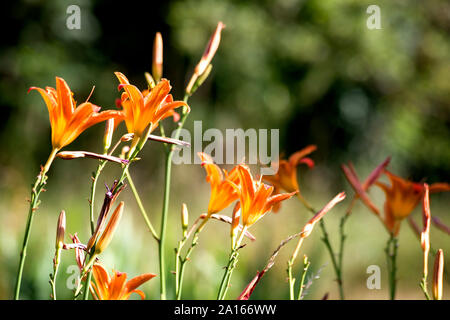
point(34, 202)
point(232, 262)
point(55, 272)
point(165, 209)
point(423, 285)
point(306, 264)
point(97, 173)
point(391, 256)
point(180, 263)
point(141, 206)
point(336, 266)
point(94, 183)
point(92, 199)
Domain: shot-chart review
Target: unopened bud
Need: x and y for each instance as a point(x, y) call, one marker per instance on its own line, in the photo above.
point(201, 70)
point(184, 219)
point(60, 230)
point(124, 152)
point(157, 64)
point(107, 138)
point(127, 137)
point(210, 50)
point(438, 276)
point(307, 229)
point(110, 228)
point(150, 82)
point(305, 259)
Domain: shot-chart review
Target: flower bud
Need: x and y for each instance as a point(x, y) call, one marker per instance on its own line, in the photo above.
point(210, 50)
point(124, 152)
point(307, 229)
point(150, 82)
point(184, 219)
point(438, 275)
point(127, 137)
point(110, 228)
point(203, 68)
point(60, 230)
point(107, 138)
point(157, 64)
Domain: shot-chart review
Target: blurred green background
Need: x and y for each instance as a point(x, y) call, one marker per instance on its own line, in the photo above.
point(308, 67)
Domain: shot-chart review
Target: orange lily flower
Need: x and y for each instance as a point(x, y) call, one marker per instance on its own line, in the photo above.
point(286, 177)
point(67, 120)
point(256, 197)
point(222, 192)
point(116, 287)
point(402, 196)
point(147, 107)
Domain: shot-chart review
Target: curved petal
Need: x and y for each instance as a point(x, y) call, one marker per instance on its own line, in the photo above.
point(295, 158)
point(439, 187)
point(213, 173)
point(136, 282)
point(277, 198)
point(121, 77)
point(157, 95)
point(80, 124)
point(117, 288)
point(167, 110)
point(136, 104)
point(139, 292)
point(50, 102)
point(102, 280)
point(65, 100)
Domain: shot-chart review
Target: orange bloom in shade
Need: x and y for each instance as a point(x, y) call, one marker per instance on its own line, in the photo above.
point(222, 191)
point(116, 287)
point(256, 197)
point(286, 177)
point(66, 119)
point(147, 107)
point(402, 196)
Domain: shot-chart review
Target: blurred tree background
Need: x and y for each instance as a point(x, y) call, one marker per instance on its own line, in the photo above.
point(308, 67)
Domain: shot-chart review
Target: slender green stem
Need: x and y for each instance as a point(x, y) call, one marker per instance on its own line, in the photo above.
point(34, 202)
point(180, 263)
point(92, 256)
point(290, 266)
point(165, 209)
point(232, 262)
point(141, 206)
point(56, 263)
point(306, 264)
point(87, 284)
point(162, 238)
point(391, 257)
point(291, 280)
point(423, 286)
point(97, 173)
point(337, 266)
